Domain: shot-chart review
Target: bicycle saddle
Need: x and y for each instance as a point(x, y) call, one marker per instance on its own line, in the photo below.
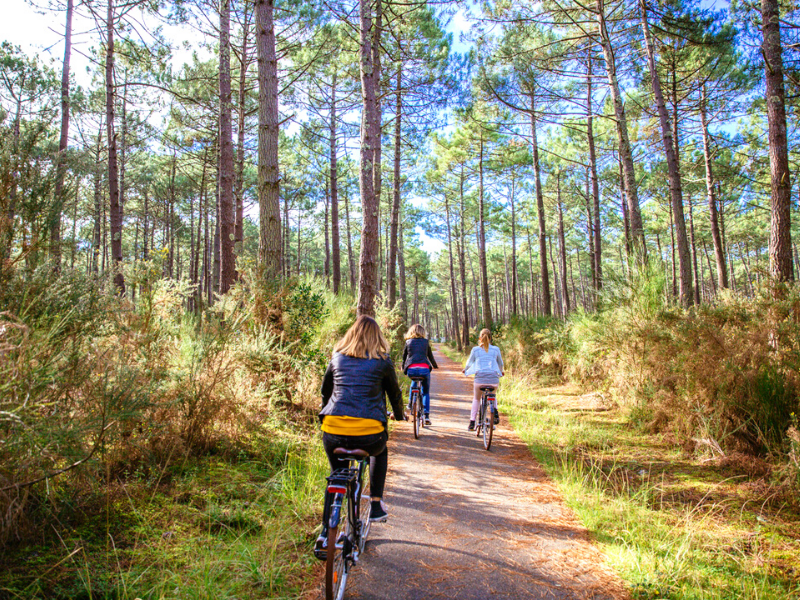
point(486, 388)
point(352, 453)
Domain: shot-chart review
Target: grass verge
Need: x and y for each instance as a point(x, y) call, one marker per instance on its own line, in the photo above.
point(672, 525)
point(234, 524)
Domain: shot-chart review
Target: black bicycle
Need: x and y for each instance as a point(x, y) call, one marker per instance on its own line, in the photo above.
point(347, 502)
point(485, 423)
point(417, 416)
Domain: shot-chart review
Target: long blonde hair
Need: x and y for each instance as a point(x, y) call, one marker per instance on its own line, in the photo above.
point(363, 340)
point(415, 331)
point(485, 338)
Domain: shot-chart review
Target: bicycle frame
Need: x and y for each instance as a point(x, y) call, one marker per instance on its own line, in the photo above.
point(343, 482)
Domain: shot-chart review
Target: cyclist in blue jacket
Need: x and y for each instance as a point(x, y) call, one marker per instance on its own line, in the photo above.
point(418, 361)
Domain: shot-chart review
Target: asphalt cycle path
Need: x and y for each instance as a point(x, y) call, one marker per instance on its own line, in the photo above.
point(467, 524)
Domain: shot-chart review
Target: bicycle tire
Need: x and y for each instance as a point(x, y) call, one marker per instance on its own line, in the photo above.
point(479, 421)
point(364, 506)
point(415, 413)
point(336, 562)
point(488, 426)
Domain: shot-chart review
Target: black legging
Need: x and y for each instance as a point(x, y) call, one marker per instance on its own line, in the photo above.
point(375, 444)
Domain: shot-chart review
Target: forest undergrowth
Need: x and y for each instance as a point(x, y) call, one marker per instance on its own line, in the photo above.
point(672, 434)
point(151, 452)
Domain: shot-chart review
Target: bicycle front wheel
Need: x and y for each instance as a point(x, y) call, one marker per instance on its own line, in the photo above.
point(336, 561)
point(488, 426)
point(479, 421)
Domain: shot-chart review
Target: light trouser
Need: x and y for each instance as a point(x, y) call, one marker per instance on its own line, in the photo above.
point(477, 393)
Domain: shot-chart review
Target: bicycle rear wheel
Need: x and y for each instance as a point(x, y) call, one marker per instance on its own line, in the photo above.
point(336, 562)
point(415, 411)
point(364, 507)
point(488, 425)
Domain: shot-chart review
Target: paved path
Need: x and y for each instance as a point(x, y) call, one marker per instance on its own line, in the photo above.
point(466, 524)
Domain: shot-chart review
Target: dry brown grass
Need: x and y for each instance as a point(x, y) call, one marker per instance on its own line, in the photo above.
point(95, 387)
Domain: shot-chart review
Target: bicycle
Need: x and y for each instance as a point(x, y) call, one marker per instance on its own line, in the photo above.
point(417, 416)
point(348, 508)
point(485, 422)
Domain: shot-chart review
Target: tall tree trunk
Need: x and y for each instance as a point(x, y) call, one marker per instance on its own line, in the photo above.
point(556, 284)
point(146, 232)
point(269, 235)
point(597, 239)
point(694, 254)
point(287, 237)
point(73, 245)
point(544, 273)
point(673, 169)
point(396, 189)
point(590, 227)
point(625, 153)
point(563, 244)
point(624, 207)
point(377, 31)
point(351, 263)
point(780, 237)
point(217, 258)
point(95, 262)
point(63, 140)
point(334, 176)
point(672, 251)
point(513, 249)
point(115, 208)
point(299, 229)
point(171, 216)
point(487, 306)
point(370, 141)
point(532, 310)
point(226, 217)
point(327, 238)
point(453, 295)
point(238, 191)
point(123, 146)
point(401, 263)
point(719, 251)
point(462, 263)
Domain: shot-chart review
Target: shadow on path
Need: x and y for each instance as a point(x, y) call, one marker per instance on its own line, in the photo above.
point(467, 524)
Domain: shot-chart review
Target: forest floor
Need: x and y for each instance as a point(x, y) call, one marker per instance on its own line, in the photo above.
point(470, 524)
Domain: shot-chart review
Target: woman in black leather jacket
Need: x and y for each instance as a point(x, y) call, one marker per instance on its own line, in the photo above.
point(418, 361)
point(354, 389)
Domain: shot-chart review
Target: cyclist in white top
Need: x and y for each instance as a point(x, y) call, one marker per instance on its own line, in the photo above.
point(486, 364)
